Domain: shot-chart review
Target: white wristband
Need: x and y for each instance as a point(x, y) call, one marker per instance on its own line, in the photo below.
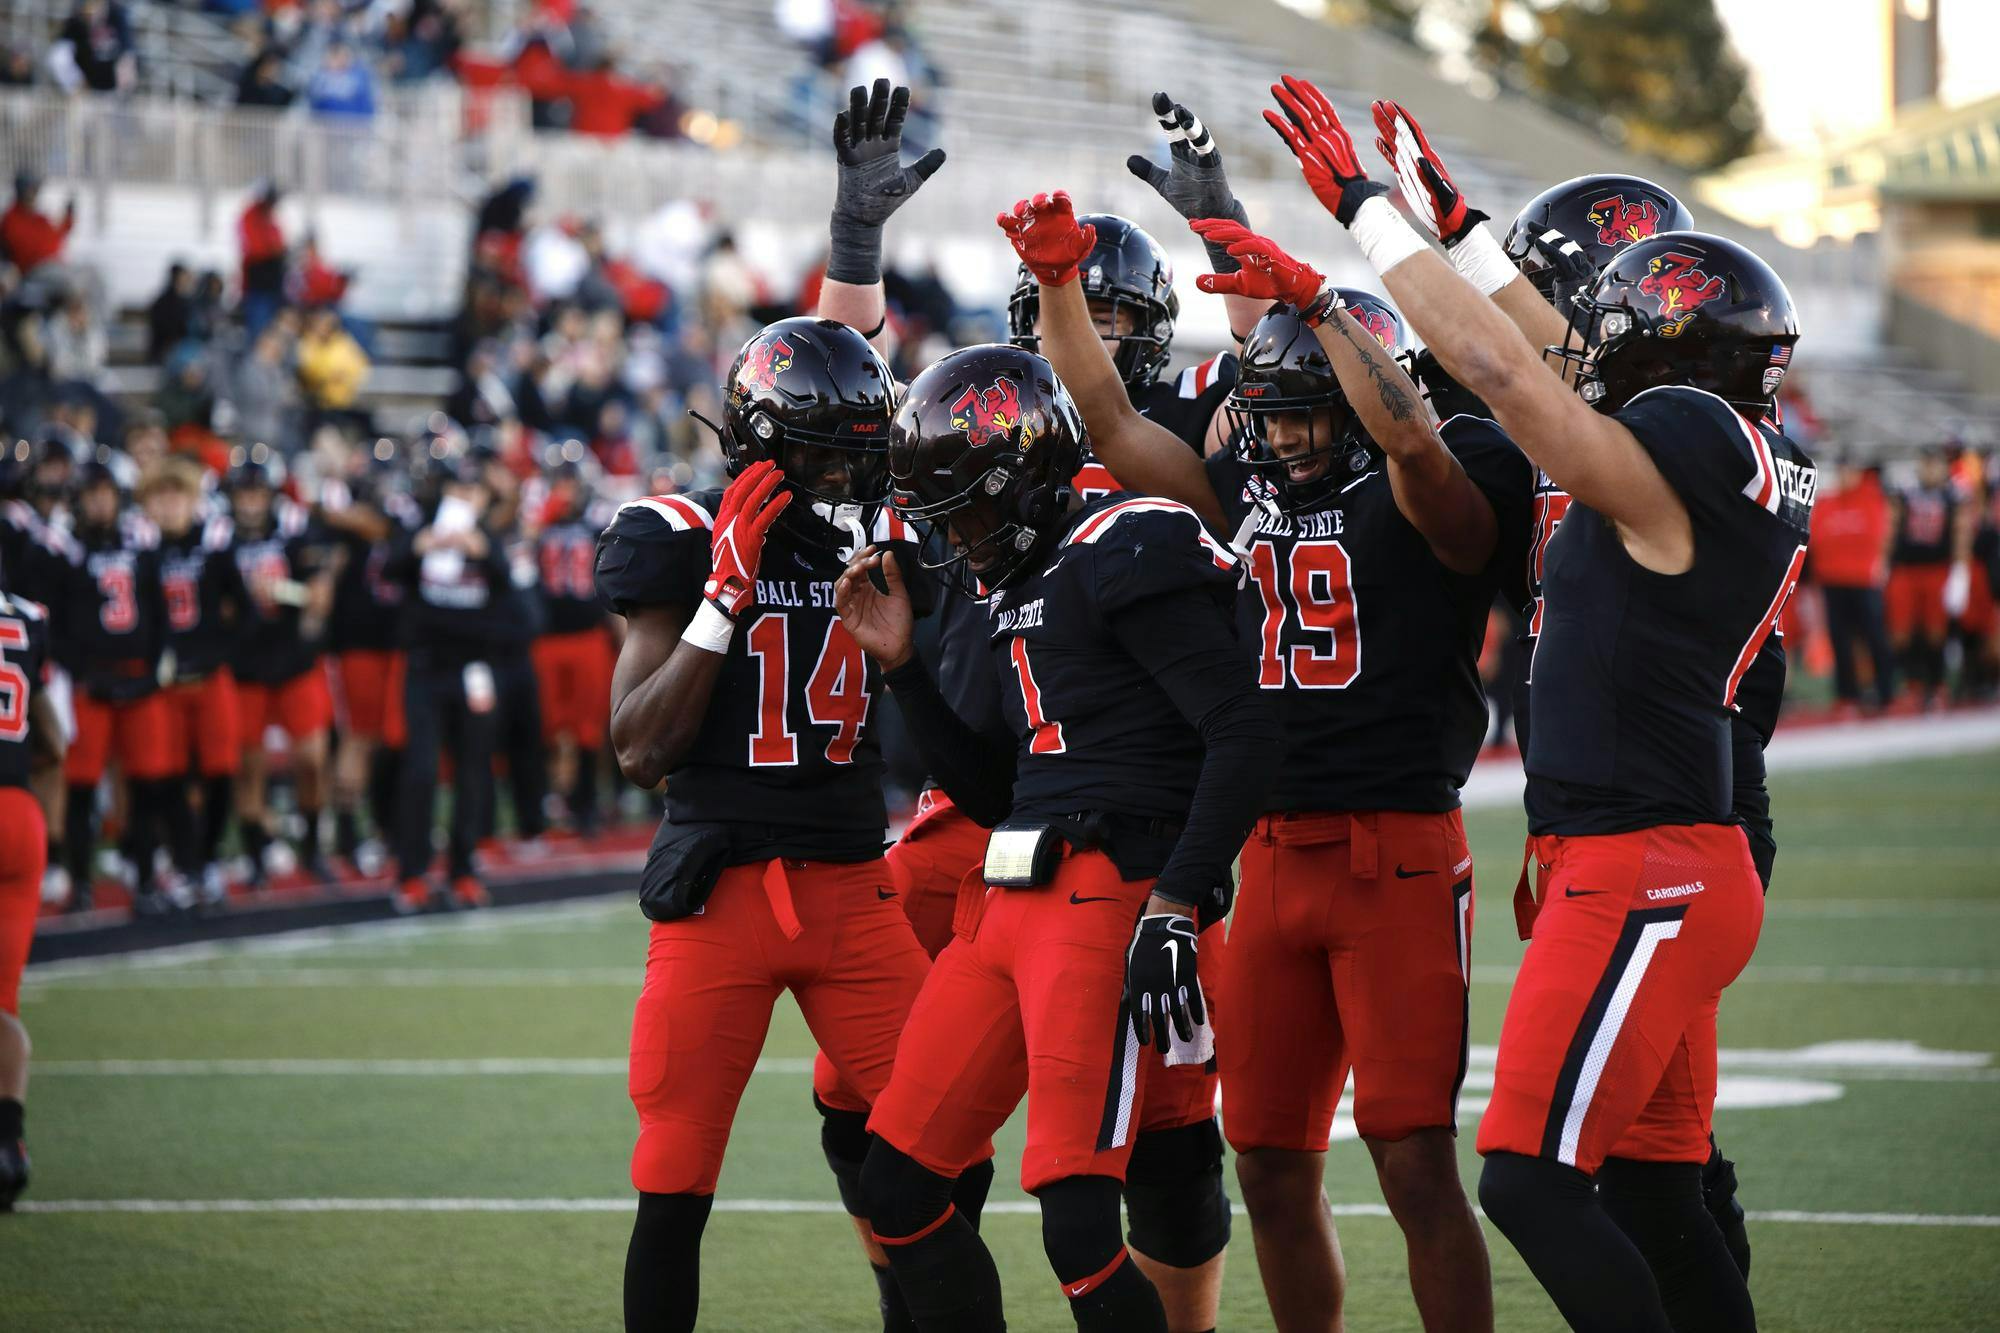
point(1482, 262)
point(1383, 235)
point(710, 630)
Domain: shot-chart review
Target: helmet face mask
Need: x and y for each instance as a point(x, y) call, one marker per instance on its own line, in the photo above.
point(1129, 282)
point(1683, 308)
point(814, 398)
point(980, 457)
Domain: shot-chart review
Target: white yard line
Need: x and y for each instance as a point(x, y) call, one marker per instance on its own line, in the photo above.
point(624, 1204)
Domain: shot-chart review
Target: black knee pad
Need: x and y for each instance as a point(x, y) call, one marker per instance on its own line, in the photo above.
point(844, 1138)
point(1174, 1195)
point(900, 1196)
point(1080, 1230)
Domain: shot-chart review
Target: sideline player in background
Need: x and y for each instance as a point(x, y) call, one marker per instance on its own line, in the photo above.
point(574, 653)
point(1132, 765)
point(740, 688)
point(1929, 571)
point(1174, 1190)
point(1375, 546)
point(1683, 542)
point(31, 755)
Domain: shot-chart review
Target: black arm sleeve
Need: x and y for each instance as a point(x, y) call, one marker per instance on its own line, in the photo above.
point(975, 769)
point(1188, 641)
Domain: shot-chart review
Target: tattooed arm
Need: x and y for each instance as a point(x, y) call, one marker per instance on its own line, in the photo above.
point(1431, 487)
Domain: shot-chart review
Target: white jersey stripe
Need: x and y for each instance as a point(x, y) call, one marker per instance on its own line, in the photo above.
point(1606, 1035)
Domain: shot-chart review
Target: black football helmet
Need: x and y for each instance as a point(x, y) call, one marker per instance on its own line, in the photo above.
point(1603, 214)
point(1128, 268)
point(16, 463)
point(985, 443)
point(1283, 370)
point(1683, 308)
point(815, 398)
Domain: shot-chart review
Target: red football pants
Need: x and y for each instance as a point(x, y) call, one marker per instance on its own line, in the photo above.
point(1349, 950)
point(1608, 1048)
point(24, 845)
point(1030, 1001)
point(201, 725)
point(818, 929)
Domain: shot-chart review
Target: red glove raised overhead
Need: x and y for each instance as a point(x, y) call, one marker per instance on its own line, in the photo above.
point(749, 507)
point(1312, 130)
point(1420, 171)
point(1044, 232)
point(1268, 273)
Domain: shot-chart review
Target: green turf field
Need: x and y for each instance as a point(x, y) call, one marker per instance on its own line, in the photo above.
point(469, 1072)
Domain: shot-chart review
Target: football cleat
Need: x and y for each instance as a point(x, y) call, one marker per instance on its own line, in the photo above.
point(469, 893)
point(412, 896)
point(13, 1173)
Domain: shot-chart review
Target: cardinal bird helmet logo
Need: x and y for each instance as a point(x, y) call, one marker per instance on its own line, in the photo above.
point(1677, 282)
point(767, 360)
point(1378, 322)
point(986, 415)
point(1619, 223)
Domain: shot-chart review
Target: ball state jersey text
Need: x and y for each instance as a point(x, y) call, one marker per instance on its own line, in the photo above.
point(1373, 643)
point(1636, 675)
point(24, 653)
point(785, 752)
point(1096, 731)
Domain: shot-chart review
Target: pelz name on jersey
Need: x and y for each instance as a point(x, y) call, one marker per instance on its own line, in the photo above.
point(1796, 481)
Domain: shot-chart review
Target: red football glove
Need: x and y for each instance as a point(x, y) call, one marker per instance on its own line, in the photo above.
point(1045, 234)
point(1268, 273)
point(749, 507)
point(1420, 171)
point(1313, 132)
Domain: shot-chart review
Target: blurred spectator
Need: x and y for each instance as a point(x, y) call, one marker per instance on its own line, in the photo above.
point(553, 260)
point(261, 242)
point(185, 397)
point(320, 284)
point(263, 82)
point(482, 397)
point(1850, 562)
point(342, 87)
point(76, 343)
point(17, 67)
point(331, 367)
point(807, 22)
point(27, 238)
point(729, 288)
point(170, 318)
point(208, 316)
point(604, 103)
point(263, 391)
point(94, 49)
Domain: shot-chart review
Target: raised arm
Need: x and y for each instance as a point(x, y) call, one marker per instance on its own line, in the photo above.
point(1588, 454)
point(1144, 455)
point(1431, 488)
point(873, 184)
point(1195, 186)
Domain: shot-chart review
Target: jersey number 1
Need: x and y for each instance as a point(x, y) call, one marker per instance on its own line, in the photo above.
point(836, 693)
point(1316, 589)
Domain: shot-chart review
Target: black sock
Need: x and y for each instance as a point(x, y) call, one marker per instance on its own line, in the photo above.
point(309, 840)
point(896, 1317)
point(13, 1120)
point(1659, 1205)
point(385, 768)
point(255, 839)
point(346, 833)
point(152, 812)
point(80, 834)
point(217, 797)
point(1590, 1268)
point(663, 1263)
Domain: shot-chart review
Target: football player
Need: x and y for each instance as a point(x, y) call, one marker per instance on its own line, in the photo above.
point(1929, 571)
point(1683, 542)
point(1174, 1191)
point(1134, 756)
point(31, 753)
point(740, 687)
point(280, 678)
point(574, 654)
point(362, 514)
point(206, 602)
point(116, 633)
point(1552, 253)
point(1376, 546)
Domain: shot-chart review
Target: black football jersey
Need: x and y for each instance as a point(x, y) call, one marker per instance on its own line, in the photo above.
point(566, 559)
point(117, 627)
point(367, 602)
point(1637, 675)
point(204, 596)
point(1096, 732)
point(786, 753)
point(24, 656)
point(1187, 402)
point(271, 646)
point(1923, 525)
point(1371, 642)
